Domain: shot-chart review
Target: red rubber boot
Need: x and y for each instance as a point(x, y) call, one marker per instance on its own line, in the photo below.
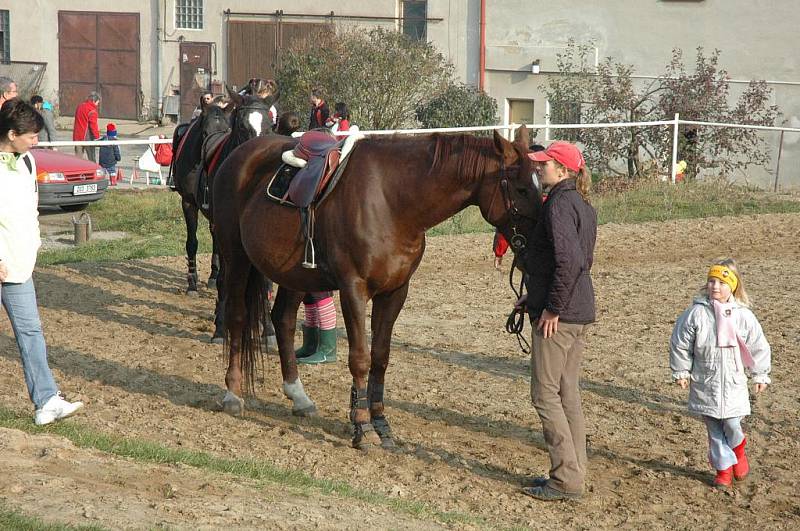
point(742, 467)
point(724, 478)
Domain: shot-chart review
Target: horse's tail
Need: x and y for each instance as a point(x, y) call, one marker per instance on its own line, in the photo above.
point(250, 340)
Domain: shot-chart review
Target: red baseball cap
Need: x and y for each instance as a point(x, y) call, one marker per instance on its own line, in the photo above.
point(563, 152)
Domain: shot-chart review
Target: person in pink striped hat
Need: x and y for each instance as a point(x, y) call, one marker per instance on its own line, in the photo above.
point(713, 345)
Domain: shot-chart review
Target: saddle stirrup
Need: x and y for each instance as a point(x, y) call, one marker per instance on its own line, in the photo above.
point(205, 204)
point(309, 251)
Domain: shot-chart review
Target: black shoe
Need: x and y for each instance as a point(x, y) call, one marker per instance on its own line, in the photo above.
point(536, 481)
point(548, 493)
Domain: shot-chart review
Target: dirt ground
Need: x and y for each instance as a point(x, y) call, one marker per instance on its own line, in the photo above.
point(124, 338)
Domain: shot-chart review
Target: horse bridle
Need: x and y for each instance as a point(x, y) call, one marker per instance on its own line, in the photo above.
point(518, 240)
point(516, 320)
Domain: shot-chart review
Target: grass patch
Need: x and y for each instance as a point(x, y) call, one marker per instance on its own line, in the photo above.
point(16, 521)
point(154, 220)
point(623, 201)
point(251, 469)
point(642, 201)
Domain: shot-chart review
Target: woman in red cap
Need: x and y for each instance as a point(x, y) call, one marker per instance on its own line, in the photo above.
point(560, 302)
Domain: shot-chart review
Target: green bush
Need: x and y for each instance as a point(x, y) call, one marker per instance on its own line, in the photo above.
point(458, 106)
point(380, 74)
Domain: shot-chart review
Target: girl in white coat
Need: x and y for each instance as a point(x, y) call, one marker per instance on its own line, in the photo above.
point(712, 344)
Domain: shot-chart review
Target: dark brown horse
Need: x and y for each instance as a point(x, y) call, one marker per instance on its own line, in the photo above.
point(187, 144)
point(208, 141)
point(369, 236)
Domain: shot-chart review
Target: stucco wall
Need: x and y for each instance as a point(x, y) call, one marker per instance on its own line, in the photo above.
point(755, 38)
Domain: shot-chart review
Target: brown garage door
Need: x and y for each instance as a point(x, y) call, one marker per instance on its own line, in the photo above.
point(253, 46)
point(100, 52)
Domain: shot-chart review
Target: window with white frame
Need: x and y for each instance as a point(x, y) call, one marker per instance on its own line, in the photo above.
point(520, 111)
point(415, 25)
point(5, 52)
point(189, 14)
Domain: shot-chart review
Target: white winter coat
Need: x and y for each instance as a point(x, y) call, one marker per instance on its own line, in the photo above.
point(717, 380)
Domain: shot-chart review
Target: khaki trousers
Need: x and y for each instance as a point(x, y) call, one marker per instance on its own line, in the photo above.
point(555, 373)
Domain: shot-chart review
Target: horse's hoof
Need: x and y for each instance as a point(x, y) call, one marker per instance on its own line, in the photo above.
point(384, 431)
point(192, 293)
point(232, 404)
point(217, 340)
point(365, 437)
point(212, 283)
point(308, 411)
point(271, 341)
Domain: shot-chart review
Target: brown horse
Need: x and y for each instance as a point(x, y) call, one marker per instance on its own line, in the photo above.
point(369, 237)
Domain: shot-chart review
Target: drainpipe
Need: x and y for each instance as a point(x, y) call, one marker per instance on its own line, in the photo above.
point(158, 56)
point(482, 74)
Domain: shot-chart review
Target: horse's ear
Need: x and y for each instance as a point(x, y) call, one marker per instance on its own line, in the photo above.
point(522, 137)
point(505, 149)
point(234, 96)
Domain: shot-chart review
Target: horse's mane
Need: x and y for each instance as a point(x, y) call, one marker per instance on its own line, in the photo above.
point(470, 153)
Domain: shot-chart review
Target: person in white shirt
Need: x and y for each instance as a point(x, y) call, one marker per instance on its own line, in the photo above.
point(19, 245)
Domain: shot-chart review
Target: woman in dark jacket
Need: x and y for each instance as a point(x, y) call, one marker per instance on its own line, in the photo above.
point(561, 306)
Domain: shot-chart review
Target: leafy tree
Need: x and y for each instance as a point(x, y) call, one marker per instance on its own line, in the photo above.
point(459, 105)
point(380, 74)
point(703, 95)
point(608, 93)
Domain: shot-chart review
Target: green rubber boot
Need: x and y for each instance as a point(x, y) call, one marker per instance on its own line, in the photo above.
point(310, 342)
point(326, 353)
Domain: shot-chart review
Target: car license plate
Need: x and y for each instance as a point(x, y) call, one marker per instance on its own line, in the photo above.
point(83, 189)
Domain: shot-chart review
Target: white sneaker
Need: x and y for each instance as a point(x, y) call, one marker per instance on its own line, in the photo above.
point(56, 408)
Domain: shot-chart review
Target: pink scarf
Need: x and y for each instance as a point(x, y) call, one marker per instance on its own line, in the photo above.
point(726, 332)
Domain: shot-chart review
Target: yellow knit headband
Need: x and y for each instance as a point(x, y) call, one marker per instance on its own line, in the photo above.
point(724, 274)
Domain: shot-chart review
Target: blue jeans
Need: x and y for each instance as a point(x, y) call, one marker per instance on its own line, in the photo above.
point(723, 436)
point(19, 300)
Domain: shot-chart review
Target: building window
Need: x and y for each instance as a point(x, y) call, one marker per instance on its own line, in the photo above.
point(189, 14)
point(566, 112)
point(520, 112)
point(5, 49)
point(414, 21)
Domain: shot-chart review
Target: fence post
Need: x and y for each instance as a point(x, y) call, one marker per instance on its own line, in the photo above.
point(675, 147)
point(778, 165)
point(546, 120)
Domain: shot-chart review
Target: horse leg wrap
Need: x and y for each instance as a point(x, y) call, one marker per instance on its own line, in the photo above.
point(302, 406)
point(191, 274)
point(364, 435)
point(358, 400)
point(378, 419)
point(375, 390)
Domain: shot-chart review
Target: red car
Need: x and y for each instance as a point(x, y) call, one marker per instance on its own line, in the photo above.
point(67, 181)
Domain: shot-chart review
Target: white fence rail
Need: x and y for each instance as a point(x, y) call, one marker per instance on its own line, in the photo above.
point(674, 123)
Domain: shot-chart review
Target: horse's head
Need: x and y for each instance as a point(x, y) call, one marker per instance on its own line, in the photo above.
point(508, 197)
point(214, 120)
point(250, 115)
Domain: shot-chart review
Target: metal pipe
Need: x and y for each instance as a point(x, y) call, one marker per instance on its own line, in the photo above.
point(159, 64)
point(778, 165)
point(482, 78)
point(280, 13)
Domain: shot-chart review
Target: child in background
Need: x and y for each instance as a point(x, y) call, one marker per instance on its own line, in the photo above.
point(711, 345)
point(110, 155)
point(340, 121)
